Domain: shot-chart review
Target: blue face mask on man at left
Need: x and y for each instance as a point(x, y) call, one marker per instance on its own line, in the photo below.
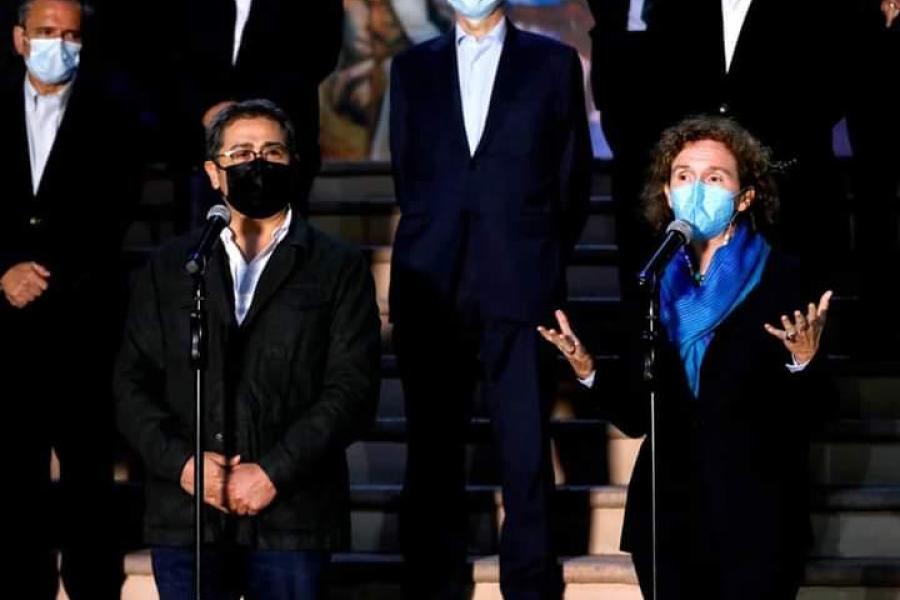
point(53, 60)
point(475, 9)
point(709, 208)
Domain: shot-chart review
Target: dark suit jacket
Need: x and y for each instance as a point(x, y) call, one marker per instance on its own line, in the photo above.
point(287, 49)
point(517, 206)
point(289, 389)
point(733, 464)
point(624, 91)
point(74, 224)
point(788, 81)
point(875, 140)
point(7, 22)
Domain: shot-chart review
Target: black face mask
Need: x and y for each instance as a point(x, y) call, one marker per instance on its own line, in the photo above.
point(259, 189)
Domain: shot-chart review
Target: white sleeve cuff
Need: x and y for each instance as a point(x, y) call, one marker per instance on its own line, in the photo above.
point(797, 367)
point(588, 381)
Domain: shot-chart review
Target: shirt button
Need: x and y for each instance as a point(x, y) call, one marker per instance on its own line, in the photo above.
point(724, 108)
point(219, 437)
point(35, 221)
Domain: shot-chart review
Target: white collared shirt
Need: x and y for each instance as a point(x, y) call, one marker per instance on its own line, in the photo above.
point(243, 13)
point(478, 61)
point(734, 12)
point(246, 275)
point(43, 116)
point(636, 16)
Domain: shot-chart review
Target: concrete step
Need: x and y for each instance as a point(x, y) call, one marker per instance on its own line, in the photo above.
point(856, 455)
point(377, 577)
point(848, 453)
point(854, 522)
point(614, 577)
point(863, 398)
point(871, 390)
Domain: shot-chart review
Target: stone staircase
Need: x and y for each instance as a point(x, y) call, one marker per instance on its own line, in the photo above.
point(856, 460)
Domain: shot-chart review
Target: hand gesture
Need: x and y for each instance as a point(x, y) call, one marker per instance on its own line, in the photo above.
point(565, 339)
point(803, 335)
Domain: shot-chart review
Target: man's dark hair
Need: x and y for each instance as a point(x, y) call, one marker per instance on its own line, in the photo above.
point(25, 8)
point(248, 109)
point(753, 162)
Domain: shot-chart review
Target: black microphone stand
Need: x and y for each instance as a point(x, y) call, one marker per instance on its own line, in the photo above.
point(198, 357)
point(650, 285)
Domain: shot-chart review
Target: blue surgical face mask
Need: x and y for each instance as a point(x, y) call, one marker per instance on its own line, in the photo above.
point(708, 208)
point(53, 60)
point(475, 10)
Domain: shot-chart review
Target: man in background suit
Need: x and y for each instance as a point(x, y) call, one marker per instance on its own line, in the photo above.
point(626, 99)
point(776, 66)
point(70, 171)
point(492, 162)
point(227, 50)
point(874, 131)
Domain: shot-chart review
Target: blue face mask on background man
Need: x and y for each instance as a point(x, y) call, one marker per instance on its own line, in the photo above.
point(708, 208)
point(475, 9)
point(53, 60)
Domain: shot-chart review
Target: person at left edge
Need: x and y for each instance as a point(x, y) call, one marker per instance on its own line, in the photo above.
point(70, 166)
point(292, 379)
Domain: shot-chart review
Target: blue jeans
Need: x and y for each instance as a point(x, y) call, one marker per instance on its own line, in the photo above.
point(231, 573)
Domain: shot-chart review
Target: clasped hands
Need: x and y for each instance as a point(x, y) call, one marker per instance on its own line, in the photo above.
point(231, 486)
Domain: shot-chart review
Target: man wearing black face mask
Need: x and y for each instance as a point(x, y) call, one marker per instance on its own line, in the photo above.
point(292, 379)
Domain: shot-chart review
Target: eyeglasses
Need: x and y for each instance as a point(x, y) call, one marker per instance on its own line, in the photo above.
point(274, 153)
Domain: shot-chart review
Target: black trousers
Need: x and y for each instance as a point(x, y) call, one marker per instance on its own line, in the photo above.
point(55, 371)
point(440, 361)
point(876, 177)
point(689, 570)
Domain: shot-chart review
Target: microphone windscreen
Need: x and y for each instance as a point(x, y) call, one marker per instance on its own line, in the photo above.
point(219, 211)
point(682, 227)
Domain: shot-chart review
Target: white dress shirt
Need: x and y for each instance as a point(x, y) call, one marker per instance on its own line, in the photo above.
point(734, 12)
point(636, 16)
point(478, 61)
point(243, 13)
point(43, 115)
point(246, 275)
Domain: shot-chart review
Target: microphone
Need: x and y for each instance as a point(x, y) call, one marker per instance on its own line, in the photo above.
point(217, 219)
point(678, 234)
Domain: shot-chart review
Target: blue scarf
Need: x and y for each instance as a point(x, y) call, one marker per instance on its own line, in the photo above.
point(691, 312)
